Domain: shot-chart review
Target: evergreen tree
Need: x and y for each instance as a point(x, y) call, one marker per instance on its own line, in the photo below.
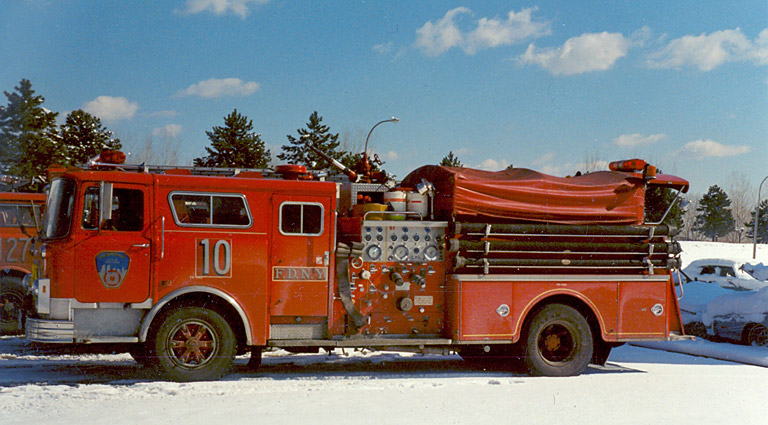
point(316, 133)
point(451, 161)
point(762, 226)
point(657, 201)
point(84, 137)
point(713, 215)
point(29, 141)
point(235, 145)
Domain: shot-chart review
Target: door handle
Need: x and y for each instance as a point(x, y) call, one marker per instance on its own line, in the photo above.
point(140, 245)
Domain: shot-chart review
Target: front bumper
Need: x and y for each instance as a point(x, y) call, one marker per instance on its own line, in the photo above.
point(51, 331)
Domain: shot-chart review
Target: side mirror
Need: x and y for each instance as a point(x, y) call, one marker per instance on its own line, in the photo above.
point(105, 203)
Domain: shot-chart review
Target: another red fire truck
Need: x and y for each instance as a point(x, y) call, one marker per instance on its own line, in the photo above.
point(19, 214)
point(193, 269)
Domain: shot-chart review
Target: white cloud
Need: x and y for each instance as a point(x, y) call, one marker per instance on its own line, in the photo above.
point(383, 48)
point(585, 53)
point(708, 51)
point(220, 7)
point(632, 140)
point(220, 87)
point(435, 38)
point(390, 156)
point(544, 159)
point(491, 164)
point(111, 108)
point(170, 131)
point(700, 149)
point(169, 113)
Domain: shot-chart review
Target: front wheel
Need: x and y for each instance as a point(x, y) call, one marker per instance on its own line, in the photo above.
point(559, 342)
point(11, 302)
point(193, 344)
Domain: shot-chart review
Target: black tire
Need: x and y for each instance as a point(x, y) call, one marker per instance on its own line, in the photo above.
point(696, 329)
point(193, 344)
point(756, 335)
point(11, 306)
point(558, 342)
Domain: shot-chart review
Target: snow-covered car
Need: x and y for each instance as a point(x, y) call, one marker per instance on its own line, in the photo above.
point(730, 274)
point(739, 316)
point(696, 295)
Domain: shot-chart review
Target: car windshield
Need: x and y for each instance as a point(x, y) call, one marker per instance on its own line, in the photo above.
point(58, 210)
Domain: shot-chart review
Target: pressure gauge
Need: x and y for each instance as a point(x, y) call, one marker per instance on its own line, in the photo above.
point(431, 253)
point(400, 253)
point(373, 252)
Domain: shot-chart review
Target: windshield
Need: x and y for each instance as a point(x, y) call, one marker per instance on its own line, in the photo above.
point(58, 210)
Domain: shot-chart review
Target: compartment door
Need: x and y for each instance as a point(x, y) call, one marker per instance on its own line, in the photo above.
point(301, 247)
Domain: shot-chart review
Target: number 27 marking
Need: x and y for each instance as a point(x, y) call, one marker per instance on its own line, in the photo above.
point(220, 248)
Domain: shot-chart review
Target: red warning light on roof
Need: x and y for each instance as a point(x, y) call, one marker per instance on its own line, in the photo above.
point(112, 157)
point(628, 165)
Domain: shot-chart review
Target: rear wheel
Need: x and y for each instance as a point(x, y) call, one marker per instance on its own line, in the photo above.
point(559, 342)
point(11, 302)
point(756, 335)
point(193, 344)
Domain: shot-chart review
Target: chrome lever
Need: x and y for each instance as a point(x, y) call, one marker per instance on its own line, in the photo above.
point(140, 245)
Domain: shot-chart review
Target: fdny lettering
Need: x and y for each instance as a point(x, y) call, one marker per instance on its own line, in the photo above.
point(317, 274)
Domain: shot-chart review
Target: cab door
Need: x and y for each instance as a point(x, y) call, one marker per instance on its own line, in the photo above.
point(113, 262)
point(301, 246)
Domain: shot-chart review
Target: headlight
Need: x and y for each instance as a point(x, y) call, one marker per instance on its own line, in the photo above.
point(26, 281)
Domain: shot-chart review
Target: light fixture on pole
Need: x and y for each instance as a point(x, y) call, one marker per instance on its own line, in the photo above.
point(757, 220)
point(366, 164)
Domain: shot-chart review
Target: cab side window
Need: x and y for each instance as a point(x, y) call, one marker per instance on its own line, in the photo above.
point(196, 210)
point(127, 210)
point(301, 219)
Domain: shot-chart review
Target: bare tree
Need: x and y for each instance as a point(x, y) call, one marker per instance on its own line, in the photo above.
point(689, 218)
point(740, 192)
point(164, 151)
point(593, 161)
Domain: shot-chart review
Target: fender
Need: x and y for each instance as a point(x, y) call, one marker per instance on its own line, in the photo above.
point(554, 292)
point(9, 269)
point(188, 290)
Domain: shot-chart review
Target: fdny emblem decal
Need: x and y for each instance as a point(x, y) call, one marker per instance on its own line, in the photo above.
point(312, 274)
point(112, 268)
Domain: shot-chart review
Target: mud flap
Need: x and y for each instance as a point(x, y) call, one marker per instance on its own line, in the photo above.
point(342, 279)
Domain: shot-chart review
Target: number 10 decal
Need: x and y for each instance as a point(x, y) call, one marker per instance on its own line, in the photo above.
point(216, 256)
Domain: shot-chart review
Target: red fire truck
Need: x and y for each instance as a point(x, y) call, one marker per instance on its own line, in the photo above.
point(19, 214)
point(192, 270)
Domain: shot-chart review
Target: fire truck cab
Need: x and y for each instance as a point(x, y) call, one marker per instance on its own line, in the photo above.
point(19, 218)
point(191, 269)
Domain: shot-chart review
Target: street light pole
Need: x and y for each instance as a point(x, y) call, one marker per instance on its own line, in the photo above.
point(757, 220)
point(366, 164)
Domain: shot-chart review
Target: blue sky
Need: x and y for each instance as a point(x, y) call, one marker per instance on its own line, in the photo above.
point(544, 85)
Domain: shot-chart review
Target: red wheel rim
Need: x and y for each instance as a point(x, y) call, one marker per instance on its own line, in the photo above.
point(192, 344)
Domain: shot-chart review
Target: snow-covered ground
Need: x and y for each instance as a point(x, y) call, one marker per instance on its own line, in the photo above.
point(639, 385)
